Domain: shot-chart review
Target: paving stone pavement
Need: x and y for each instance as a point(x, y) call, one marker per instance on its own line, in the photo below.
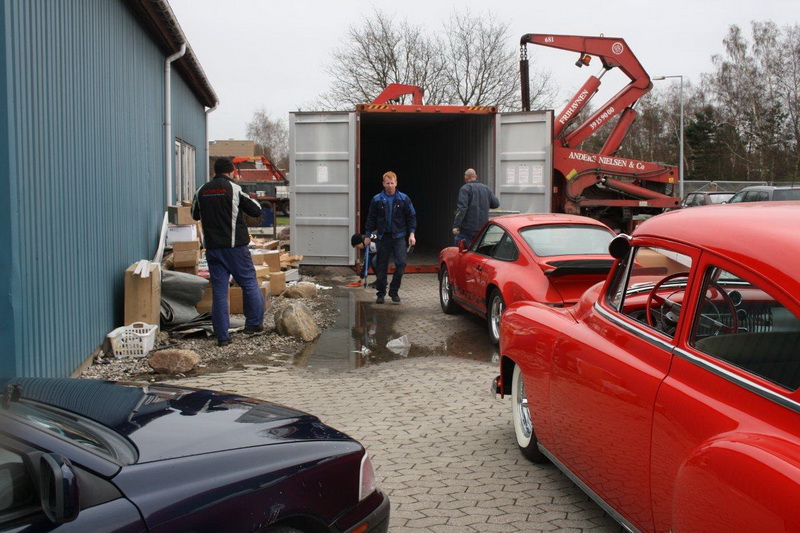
point(443, 447)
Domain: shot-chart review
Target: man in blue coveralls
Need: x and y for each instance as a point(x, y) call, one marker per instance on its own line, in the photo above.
point(390, 221)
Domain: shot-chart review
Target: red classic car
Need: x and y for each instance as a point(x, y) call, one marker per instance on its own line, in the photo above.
point(547, 258)
point(670, 393)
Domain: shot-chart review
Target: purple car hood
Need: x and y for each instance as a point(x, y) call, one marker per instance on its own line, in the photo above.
point(165, 422)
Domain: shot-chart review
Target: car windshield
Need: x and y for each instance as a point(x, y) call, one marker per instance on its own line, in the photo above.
point(578, 239)
point(78, 430)
point(718, 198)
point(786, 194)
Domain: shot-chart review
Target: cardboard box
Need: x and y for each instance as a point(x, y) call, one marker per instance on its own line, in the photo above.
point(262, 273)
point(142, 296)
point(204, 305)
point(181, 233)
point(236, 299)
point(187, 258)
point(184, 246)
point(277, 282)
point(179, 215)
point(187, 270)
point(272, 259)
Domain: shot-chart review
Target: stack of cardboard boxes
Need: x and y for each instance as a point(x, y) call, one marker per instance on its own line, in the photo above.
point(183, 236)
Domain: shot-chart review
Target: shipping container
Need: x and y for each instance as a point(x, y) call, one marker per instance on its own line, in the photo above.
point(338, 160)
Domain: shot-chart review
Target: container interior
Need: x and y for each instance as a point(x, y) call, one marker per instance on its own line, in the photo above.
point(429, 152)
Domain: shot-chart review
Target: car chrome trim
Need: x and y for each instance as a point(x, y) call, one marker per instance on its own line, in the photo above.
point(592, 494)
point(752, 386)
point(652, 339)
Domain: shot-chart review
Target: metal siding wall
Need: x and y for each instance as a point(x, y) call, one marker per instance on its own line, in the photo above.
point(7, 207)
point(189, 124)
point(86, 93)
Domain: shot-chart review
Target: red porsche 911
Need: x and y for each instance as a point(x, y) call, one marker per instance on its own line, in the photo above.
point(671, 394)
point(546, 258)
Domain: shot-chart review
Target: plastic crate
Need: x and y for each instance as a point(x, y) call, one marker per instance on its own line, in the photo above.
point(135, 340)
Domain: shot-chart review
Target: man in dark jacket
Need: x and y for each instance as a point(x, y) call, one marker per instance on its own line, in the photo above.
point(390, 220)
point(472, 211)
point(221, 205)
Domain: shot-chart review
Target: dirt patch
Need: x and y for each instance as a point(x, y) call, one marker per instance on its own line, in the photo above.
point(266, 350)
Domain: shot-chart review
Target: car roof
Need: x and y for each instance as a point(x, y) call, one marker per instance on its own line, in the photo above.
point(769, 187)
point(760, 235)
point(523, 220)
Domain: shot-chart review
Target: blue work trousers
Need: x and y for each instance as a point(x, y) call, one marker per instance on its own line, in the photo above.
point(236, 262)
point(466, 237)
point(387, 248)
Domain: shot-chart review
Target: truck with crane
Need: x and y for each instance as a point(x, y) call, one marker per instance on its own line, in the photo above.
point(601, 185)
point(263, 181)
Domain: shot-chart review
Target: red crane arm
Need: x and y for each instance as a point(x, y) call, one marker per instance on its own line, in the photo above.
point(396, 90)
point(613, 52)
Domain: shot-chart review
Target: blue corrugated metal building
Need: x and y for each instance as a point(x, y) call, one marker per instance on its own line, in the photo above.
point(83, 158)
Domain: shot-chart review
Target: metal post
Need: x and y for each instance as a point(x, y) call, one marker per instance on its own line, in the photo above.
point(680, 140)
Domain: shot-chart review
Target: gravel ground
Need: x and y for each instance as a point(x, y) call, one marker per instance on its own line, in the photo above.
point(267, 349)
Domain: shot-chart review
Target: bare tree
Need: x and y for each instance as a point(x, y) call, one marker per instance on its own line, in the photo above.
point(473, 64)
point(271, 137)
point(482, 64)
point(380, 52)
point(756, 87)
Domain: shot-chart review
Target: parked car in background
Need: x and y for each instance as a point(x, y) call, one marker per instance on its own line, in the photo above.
point(547, 258)
point(83, 455)
point(670, 393)
point(706, 198)
point(766, 193)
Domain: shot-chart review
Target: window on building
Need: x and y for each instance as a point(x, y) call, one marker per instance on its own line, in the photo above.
point(184, 171)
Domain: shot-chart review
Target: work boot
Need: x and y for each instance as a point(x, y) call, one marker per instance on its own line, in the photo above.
point(253, 330)
point(379, 300)
point(395, 298)
point(223, 342)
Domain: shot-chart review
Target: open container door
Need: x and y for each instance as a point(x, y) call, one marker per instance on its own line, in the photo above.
point(524, 161)
point(322, 186)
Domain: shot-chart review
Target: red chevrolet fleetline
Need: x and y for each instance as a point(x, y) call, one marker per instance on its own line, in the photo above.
point(669, 392)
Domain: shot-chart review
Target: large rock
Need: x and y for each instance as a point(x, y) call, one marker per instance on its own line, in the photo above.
point(301, 290)
point(173, 361)
point(295, 320)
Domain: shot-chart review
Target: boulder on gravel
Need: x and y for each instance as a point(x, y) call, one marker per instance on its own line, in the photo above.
point(173, 361)
point(301, 290)
point(295, 320)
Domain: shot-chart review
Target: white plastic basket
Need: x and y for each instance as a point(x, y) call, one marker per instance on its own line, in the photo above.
point(135, 340)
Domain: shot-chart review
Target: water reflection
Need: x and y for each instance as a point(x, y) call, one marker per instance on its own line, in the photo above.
point(362, 330)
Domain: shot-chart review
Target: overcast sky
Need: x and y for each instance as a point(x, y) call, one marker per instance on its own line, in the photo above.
point(272, 54)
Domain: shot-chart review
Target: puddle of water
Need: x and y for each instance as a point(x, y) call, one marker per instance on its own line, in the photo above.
point(360, 335)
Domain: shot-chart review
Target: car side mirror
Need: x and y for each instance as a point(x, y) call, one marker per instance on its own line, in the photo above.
point(57, 483)
point(620, 246)
point(461, 246)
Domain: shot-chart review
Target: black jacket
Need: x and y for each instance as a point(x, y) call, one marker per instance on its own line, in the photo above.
point(474, 201)
point(221, 204)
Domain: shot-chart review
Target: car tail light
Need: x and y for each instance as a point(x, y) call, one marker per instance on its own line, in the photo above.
point(368, 485)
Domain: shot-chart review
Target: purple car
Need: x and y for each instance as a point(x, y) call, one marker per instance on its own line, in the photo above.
point(83, 455)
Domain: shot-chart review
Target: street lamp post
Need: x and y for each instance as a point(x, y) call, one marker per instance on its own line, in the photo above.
point(680, 140)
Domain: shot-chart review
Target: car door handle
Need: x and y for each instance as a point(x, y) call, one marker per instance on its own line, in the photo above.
point(478, 268)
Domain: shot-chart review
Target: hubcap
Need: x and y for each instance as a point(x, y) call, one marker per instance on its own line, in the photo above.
point(522, 408)
point(445, 288)
point(495, 312)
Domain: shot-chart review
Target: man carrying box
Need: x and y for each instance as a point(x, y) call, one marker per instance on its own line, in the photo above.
point(221, 205)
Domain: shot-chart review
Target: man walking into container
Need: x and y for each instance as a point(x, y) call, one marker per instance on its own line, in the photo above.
point(472, 211)
point(390, 221)
point(221, 205)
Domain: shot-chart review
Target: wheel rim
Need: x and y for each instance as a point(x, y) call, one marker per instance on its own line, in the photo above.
point(524, 414)
point(494, 316)
point(444, 288)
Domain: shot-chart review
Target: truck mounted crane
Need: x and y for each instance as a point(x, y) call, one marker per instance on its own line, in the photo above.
point(602, 185)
